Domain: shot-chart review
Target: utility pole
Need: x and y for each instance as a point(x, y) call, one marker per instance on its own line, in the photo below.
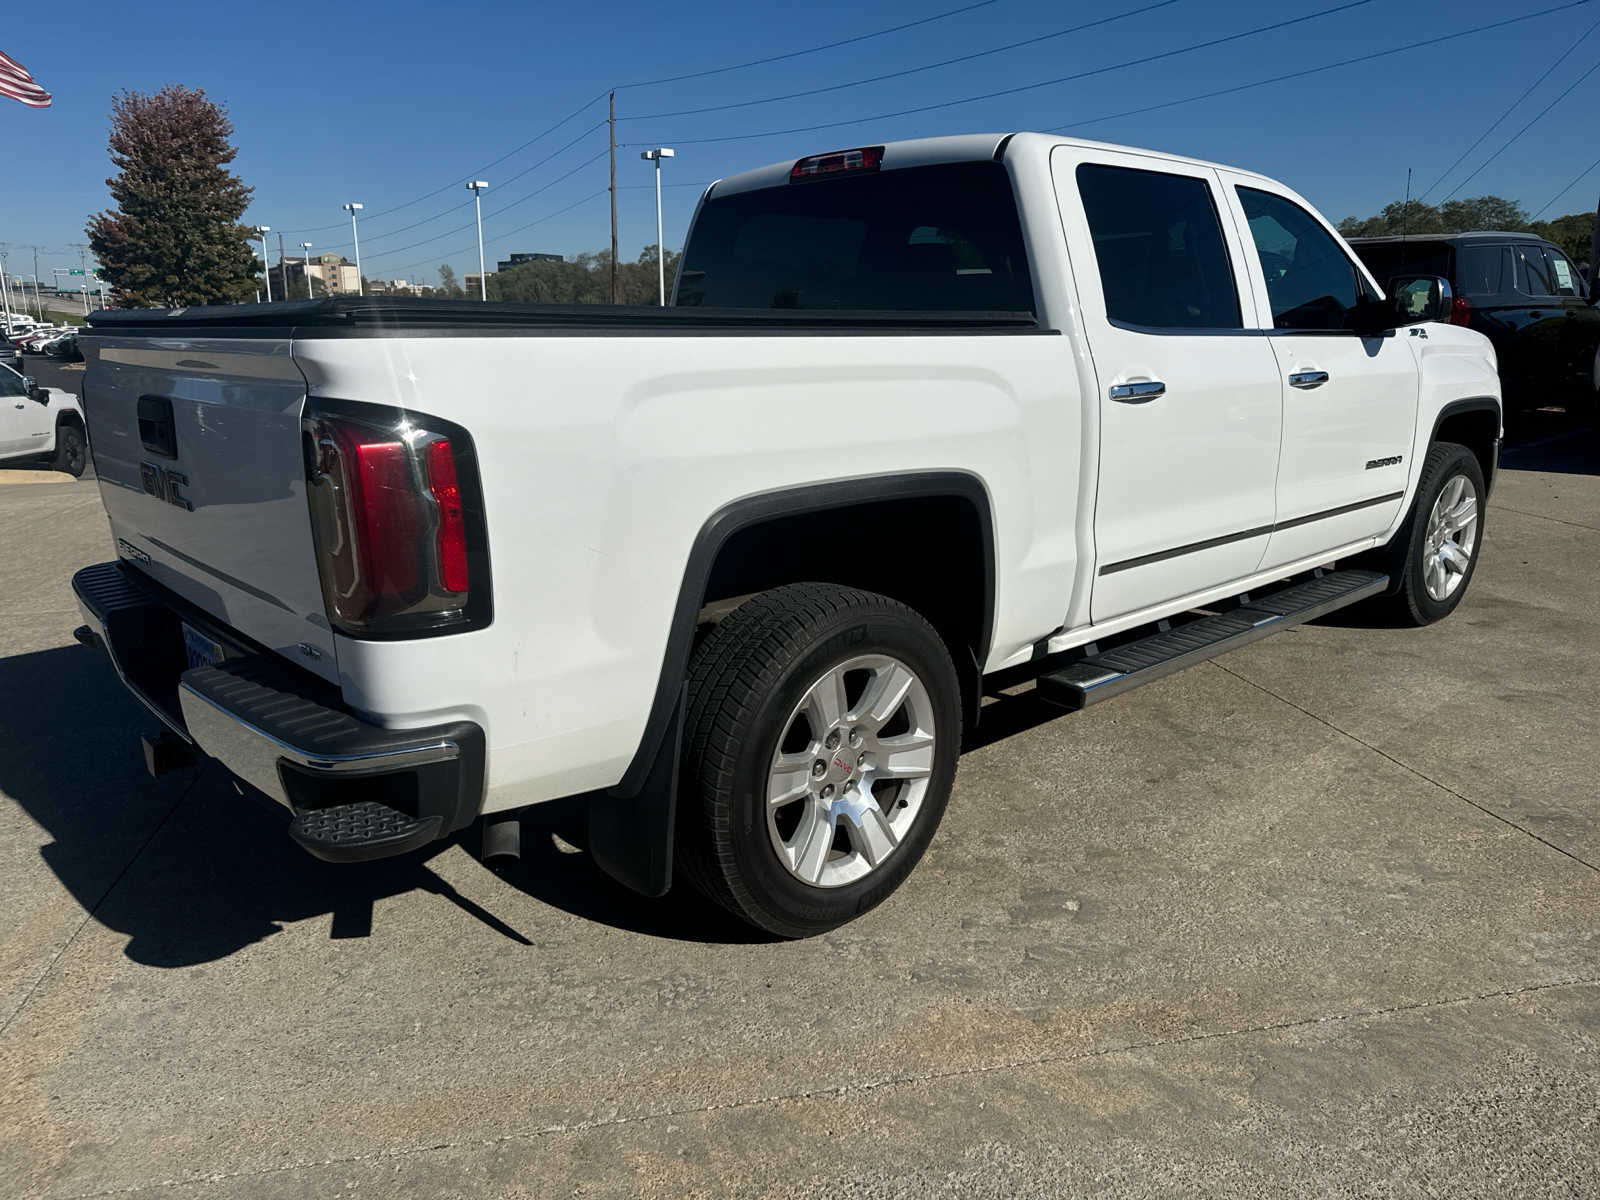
point(5, 290)
point(83, 264)
point(612, 122)
point(37, 302)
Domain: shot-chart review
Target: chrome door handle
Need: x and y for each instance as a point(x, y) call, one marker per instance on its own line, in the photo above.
point(1138, 393)
point(1306, 380)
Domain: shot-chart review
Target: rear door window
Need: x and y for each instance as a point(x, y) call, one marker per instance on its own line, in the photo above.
point(1485, 271)
point(1158, 241)
point(934, 239)
point(1533, 272)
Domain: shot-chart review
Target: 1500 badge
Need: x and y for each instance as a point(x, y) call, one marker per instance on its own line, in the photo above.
point(163, 483)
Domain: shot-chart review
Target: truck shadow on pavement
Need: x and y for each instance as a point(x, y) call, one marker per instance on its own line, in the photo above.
point(192, 868)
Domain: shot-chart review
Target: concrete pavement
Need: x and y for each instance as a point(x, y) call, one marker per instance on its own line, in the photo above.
point(1322, 917)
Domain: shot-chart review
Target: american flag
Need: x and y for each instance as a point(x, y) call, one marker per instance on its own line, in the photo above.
point(19, 85)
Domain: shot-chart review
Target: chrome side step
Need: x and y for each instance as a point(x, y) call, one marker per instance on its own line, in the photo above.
point(1112, 672)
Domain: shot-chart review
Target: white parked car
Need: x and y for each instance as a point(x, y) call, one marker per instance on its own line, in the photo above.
point(40, 424)
point(924, 420)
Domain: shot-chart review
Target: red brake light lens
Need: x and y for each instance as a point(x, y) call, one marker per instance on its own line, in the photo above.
point(1460, 311)
point(454, 575)
point(397, 521)
point(837, 162)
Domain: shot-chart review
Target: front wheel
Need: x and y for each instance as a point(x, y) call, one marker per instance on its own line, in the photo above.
point(1435, 552)
point(822, 733)
point(71, 454)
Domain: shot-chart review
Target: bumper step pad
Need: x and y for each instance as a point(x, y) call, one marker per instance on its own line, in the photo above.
point(360, 831)
point(1112, 672)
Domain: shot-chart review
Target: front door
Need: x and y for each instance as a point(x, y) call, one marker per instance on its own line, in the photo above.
point(1349, 401)
point(1189, 400)
point(24, 422)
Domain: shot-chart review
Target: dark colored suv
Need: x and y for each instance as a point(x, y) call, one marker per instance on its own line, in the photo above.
point(1524, 294)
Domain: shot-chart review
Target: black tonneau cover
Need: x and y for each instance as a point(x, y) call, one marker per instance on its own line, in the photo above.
point(365, 316)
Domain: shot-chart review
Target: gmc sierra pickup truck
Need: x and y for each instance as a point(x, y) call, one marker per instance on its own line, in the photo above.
point(924, 420)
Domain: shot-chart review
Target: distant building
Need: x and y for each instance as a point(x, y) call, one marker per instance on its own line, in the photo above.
point(470, 283)
point(505, 264)
point(336, 273)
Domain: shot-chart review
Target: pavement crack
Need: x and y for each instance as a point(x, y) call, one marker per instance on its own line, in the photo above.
point(1545, 517)
point(1407, 767)
point(861, 1088)
point(89, 915)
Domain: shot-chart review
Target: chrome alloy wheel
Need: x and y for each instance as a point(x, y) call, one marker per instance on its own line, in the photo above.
point(850, 770)
point(1452, 537)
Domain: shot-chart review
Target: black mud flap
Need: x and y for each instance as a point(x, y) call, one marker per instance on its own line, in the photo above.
point(630, 836)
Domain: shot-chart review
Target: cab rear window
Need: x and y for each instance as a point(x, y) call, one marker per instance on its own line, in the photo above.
point(920, 239)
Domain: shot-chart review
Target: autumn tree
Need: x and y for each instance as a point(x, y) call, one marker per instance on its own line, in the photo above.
point(174, 237)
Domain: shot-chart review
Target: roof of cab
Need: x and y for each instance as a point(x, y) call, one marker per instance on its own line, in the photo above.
point(962, 147)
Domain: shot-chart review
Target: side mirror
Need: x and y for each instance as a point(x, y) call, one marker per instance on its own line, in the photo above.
point(1420, 298)
point(35, 392)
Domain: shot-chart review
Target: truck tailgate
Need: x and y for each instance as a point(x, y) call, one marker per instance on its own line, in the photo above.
point(213, 505)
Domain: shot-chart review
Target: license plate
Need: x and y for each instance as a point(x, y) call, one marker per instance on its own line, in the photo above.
point(200, 650)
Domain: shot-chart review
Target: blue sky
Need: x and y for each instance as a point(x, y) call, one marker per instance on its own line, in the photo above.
point(385, 102)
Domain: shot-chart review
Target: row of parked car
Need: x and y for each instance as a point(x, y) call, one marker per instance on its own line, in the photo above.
point(49, 340)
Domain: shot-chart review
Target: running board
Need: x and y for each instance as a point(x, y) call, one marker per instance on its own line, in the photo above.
point(1113, 672)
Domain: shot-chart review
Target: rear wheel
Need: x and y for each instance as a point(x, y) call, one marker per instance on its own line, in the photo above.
point(1434, 554)
point(822, 734)
point(71, 453)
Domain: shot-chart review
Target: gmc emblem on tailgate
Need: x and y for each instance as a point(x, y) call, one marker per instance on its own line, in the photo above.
point(163, 484)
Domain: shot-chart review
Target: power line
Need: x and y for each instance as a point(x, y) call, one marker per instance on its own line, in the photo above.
point(510, 233)
point(1513, 138)
point(933, 66)
point(511, 179)
point(590, 103)
point(849, 41)
point(1028, 87)
point(1582, 175)
point(1302, 72)
point(504, 208)
point(1550, 70)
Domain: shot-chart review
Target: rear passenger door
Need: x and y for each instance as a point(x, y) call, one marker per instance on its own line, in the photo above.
point(1189, 403)
point(1349, 401)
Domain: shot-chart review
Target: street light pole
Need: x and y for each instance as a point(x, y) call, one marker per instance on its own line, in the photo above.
point(306, 246)
point(657, 155)
point(266, 263)
point(476, 188)
point(353, 208)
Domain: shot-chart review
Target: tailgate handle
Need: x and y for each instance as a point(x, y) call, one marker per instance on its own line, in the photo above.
point(156, 430)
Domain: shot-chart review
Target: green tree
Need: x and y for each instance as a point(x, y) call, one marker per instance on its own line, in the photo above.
point(1572, 233)
point(448, 287)
point(174, 237)
point(584, 279)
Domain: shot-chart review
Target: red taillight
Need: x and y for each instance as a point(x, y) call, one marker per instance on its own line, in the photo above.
point(392, 522)
point(1460, 311)
point(866, 158)
point(452, 536)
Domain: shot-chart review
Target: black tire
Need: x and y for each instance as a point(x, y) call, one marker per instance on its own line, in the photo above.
point(1405, 556)
point(745, 680)
point(72, 453)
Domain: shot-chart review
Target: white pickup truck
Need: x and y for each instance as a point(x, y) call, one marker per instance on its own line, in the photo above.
point(40, 424)
point(924, 420)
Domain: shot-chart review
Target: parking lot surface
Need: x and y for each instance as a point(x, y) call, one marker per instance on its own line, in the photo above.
point(1321, 917)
